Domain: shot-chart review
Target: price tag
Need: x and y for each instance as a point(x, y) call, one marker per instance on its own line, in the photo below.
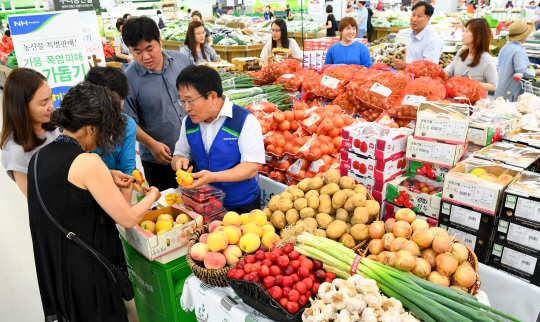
point(528, 209)
point(518, 260)
point(330, 82)
point(524, 236)
point(287, 76)
point(311, 120)
point(283, 159)
point(436, 152)
point(258, 107)
point(476, 134)
point(467, 239)
point(268, 158)
point(295, 167)
point(306, 145)
point(465, 217)
point(381, 89)
point(315, 165)
point(477, 195)
point(413, 100)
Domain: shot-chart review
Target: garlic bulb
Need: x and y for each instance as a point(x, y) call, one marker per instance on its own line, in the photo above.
point(349, 288)
point(395, 304)
point(319, 304)
point(337, 282)
point(391, 316)
point(339, 300)
point(355, 278)
point(329, 312)
point(328, 297)
point(355, 305)
point(309, 314)
point(367, 285)
point(369, 315)
point(374, 300)
point(408, 317)
point(344, 316)
point(324, 288)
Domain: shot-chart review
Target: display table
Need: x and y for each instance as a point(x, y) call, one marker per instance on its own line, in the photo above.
point(381, 32)
point(227, 53)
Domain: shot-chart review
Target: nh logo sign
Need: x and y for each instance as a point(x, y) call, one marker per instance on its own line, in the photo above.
point(20, 23)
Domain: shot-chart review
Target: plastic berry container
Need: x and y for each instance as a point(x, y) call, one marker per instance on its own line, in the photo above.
point(205, 200)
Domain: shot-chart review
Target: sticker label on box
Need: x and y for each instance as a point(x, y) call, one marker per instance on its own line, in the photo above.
point(467, 239)
point(503, 226)
point(477, 195)
point(446, 208)
point(466, 217)
point(524, 236)
point(476, 134)
point(528, 209)
point(329, 82)
point(497, 250)
point(413, 100)
point(518, 260)
point(435, 152)
point(381, 89)
point(451, 129)
point(510, 202)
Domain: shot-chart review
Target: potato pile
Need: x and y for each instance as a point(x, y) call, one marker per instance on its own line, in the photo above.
point(336, 207)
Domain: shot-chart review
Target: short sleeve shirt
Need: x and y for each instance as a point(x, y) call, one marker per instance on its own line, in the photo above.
point(15, 159)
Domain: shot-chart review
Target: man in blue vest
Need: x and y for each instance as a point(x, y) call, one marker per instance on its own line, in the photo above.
point(222, 139)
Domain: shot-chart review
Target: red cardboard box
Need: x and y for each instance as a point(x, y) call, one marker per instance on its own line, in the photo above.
point(375, 141)
point(382, 171)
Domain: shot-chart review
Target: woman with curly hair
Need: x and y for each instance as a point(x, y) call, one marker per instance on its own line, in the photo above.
point(75, 286)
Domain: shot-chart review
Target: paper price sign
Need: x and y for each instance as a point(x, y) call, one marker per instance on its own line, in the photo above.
point(381, 89)
point(329, 82)
point(43, 43)
point(413, 100)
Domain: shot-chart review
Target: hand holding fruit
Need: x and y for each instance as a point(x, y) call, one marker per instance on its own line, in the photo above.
point(182, 164)
point(203, 177)
point(152, 190)
point(140, 181)
point(184, 178)
point(120, 179)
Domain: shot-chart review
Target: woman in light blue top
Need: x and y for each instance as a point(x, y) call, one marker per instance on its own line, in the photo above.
point(513, 60)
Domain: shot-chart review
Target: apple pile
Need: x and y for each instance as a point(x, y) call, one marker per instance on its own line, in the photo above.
point(290, 278)
point(237, 234)
point(409, 244)
point(165, 223)
point(418, 186)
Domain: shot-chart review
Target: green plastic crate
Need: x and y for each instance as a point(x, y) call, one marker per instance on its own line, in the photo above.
point(158, 287)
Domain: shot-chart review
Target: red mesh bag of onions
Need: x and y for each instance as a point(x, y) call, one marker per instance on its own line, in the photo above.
point(335, 78)
point(361, 77)
point(290, 82)
point(348, 107)
point(458, 86)
point(424, 68)
point(274, 70)
point(311, 84)
point(379, 66)
point(419, 90)
point(382, 90)
point(292, 64)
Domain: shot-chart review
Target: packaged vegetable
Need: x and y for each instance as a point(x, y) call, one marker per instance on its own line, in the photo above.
point(382, 90)
point(470, 89)
point(419, 90)
point(424, 68)
point(349, 107)
point(311, 84)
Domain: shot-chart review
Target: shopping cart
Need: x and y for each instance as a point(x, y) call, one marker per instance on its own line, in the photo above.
point(527, 84)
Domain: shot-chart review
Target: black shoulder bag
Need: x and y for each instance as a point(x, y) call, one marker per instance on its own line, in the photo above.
point(120, 277)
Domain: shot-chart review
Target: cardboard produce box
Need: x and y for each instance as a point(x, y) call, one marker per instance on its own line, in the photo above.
point(376, 188)
point(382, 171)
point(420, 194)
point(375, 141)
point(466, 219)
point(514, 154)
point(515, 262)
point(428, 170)
point(479, 184)
point(443, 123)
point(480, 245)
point(486, 129)
point(441, 154)
point(528, 137)
point(519, 236)
point(522, 199)
point(152, 246)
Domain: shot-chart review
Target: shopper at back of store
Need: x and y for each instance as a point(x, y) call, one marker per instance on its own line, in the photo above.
point(348, 50)
point(474, 60)
point(122, 158)
point(153, 100)
point(195, 46)
point(219, 11)
point(223, 140)
point(121, 50)
point(514, 60)
point(26, 121)
point(197, 16)
point(331, 24)
point(423, 41)
point(280, 39)
point(362, 19)
point(73, 284)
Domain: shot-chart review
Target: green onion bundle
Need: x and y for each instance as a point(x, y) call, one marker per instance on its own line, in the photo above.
point(429, 301)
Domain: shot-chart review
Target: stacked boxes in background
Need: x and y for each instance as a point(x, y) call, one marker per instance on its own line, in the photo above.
point(516, 237)
point(374, 155)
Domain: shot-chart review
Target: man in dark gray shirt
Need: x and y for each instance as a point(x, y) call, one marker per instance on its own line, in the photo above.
point(153, 99)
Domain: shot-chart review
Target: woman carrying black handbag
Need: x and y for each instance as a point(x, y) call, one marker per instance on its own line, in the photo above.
point(81, 273)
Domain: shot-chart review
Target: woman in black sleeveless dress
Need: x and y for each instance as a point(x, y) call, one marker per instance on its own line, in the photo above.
point(80, 193)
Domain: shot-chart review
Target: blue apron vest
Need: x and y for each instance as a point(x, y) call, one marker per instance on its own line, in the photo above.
point(224, 154)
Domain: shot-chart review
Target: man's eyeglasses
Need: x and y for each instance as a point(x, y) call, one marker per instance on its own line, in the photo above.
point(191, 102)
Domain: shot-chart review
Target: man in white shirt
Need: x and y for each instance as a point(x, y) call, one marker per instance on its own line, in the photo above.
point(182, 15)
point(423, 42)
point(222, 139)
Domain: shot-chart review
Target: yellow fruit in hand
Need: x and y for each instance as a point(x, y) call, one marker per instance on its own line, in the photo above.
point(184, 178)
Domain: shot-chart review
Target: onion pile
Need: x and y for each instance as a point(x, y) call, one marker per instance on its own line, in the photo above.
point(409, 244)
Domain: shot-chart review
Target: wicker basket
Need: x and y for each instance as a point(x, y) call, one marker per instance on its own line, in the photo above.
point(472, 259)
point(216, 277)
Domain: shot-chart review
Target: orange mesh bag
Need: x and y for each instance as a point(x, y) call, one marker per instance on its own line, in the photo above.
point(311, 84)
point(335, 79)
point(419, 90)
point(424, 68)
point(382, 90)
point(458, 86)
